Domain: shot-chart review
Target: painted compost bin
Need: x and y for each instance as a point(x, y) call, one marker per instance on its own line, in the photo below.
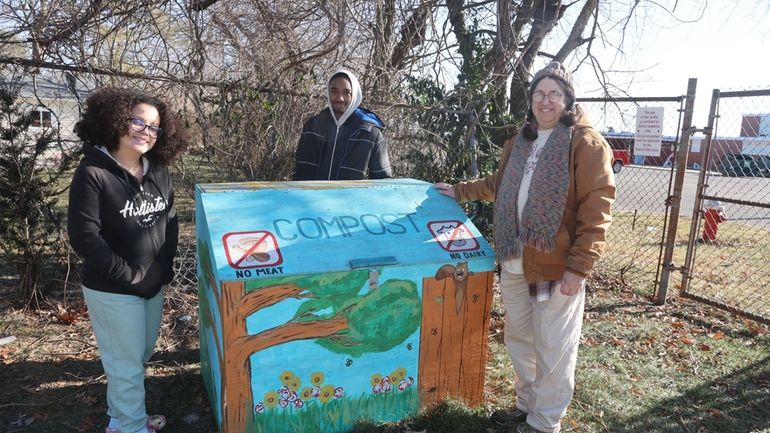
point(323, 303)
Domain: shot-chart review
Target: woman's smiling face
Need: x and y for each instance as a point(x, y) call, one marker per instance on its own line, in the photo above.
point(547, 111)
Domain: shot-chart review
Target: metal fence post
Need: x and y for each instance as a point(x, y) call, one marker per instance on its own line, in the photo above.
point(706, 151)
point(676, 197)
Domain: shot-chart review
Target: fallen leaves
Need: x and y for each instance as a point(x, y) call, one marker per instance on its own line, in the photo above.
point(5, 355)
point(68, 315)
point(754, 327)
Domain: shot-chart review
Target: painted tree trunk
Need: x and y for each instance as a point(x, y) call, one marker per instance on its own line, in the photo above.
point(236, 387)
point(235, 306)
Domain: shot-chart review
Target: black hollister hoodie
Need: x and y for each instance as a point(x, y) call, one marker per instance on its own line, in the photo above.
point(122, 228)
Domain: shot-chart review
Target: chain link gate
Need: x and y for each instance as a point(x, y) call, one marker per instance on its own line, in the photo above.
point(641, 210)
point(727, 262)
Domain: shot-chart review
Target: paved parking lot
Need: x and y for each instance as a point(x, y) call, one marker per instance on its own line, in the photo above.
point(645, 189)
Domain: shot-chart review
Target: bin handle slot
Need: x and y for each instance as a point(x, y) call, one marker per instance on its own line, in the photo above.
point(369, 262)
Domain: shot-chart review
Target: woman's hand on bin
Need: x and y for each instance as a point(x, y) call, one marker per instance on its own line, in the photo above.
point(445, 188)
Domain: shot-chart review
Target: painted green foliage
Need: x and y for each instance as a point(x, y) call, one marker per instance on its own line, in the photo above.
point(370, 314)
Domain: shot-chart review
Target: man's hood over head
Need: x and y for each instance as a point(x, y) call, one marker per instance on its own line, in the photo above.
point(354, 103)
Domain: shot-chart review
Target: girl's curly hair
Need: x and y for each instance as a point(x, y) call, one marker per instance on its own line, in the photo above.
point(105, 120)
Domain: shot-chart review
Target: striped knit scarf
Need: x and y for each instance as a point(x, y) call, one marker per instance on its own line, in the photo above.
point(543, 212)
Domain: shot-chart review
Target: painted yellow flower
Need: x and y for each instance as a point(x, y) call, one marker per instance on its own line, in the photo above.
point(294, 383)
point(397, 375)
point(376, 379)
point(327, 393)
point(286, 377)
point(307, 393)
point(271, 399)
point(317, 378)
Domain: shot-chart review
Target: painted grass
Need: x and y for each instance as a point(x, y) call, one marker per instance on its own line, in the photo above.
point(317, 417)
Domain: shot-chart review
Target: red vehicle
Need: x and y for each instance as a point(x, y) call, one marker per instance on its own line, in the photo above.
point(620, 158)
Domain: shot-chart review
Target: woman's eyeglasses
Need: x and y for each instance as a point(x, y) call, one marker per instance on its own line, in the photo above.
point(553, 96)
point(138, 125)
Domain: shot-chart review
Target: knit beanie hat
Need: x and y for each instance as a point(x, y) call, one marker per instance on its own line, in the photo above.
point(553, 70)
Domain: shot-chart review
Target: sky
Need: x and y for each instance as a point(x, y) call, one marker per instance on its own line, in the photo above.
point(728, 47)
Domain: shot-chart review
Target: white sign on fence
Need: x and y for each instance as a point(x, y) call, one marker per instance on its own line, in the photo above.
point(649, 128)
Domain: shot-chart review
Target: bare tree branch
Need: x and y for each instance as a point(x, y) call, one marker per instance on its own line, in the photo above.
point(575, 38)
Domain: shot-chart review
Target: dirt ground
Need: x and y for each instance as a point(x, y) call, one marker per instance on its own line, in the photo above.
point(52, 380)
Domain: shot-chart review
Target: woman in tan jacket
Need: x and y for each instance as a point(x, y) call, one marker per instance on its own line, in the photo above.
point(552, 191)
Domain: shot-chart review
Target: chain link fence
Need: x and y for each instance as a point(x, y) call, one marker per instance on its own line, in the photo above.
point(235, 144)
point(640, 210)
point(729, 250)
point(240, 134)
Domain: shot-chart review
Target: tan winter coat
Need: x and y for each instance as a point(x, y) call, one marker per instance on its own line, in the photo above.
point(580, 240)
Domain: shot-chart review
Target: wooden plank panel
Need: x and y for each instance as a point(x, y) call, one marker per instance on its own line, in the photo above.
point(453, 349)
point(430, 341)
point(452, 341)
point(476, 327)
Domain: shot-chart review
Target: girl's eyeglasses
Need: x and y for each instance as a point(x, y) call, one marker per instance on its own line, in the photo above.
point(138, 125)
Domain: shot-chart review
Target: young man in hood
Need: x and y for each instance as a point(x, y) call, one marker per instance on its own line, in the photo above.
point(344, 141)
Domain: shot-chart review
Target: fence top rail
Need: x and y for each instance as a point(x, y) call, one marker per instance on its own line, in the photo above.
point(744, 93)
point(213, 84)
point(635, 99)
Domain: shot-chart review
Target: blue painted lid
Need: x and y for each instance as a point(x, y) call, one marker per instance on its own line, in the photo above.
point(267, 229)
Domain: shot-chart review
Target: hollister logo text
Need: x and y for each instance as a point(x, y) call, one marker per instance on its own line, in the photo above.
point(145, 208)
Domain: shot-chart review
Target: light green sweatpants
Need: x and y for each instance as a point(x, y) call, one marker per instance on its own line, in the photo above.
point(126, 329)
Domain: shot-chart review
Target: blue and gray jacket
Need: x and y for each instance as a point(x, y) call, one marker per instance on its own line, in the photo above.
point(350, 147)
point(354, 150)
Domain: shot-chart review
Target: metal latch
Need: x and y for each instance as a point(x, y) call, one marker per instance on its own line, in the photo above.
point(371, 262)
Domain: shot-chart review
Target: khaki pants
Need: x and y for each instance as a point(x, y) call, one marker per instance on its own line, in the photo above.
point(542, 339)
point(126, 328)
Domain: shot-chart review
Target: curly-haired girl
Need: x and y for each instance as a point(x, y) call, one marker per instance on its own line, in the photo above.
point(122, 222)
